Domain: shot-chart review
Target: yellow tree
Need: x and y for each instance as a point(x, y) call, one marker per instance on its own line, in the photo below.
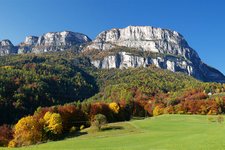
point(27, 131)
point(53, 122)
point(114, 107)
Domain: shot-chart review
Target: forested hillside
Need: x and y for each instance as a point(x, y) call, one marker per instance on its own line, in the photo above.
point(60, 93)
point(31, 81)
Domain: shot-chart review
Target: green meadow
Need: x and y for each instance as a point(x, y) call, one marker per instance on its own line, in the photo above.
point(166, 132)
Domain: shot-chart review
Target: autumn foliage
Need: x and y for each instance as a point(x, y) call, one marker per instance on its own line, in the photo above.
point(72, 116)
point(6, 135)
point(53, 123)
point(114, 107)
point(27, 131)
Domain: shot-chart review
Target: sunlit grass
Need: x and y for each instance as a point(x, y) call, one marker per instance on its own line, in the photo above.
point(167, 132)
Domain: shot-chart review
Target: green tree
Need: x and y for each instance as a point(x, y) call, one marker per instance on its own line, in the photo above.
point(98, 121)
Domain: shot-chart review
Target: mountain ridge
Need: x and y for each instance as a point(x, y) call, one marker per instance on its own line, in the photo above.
point(133, 46)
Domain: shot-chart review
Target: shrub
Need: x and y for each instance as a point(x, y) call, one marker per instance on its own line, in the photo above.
point(157, 111)
point(53, 123)
point(169, 110)
point(27, 131)
point(99, 121)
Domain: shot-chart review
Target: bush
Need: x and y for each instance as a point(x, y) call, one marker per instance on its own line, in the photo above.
point(53, 122)
point(99, 121)
point(157, 111)
point(27, 131)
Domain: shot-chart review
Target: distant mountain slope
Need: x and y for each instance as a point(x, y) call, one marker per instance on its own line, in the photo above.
point(51, 41)
point(148, 45)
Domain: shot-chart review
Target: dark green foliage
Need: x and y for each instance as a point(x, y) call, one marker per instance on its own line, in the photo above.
point(30, 81)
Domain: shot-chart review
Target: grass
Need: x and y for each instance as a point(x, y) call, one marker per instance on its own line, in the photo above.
point(166, 132)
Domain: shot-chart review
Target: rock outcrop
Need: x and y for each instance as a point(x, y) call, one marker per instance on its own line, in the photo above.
point(6, 48)
point(59, 41)
point(170, 48)
point(28, 44)
point(53, 41)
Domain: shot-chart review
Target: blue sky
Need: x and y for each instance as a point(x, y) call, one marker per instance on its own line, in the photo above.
point(202, 22)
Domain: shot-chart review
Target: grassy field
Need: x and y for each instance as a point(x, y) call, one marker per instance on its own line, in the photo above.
point(167, 132)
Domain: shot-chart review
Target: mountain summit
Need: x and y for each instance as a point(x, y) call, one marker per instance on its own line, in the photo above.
point(140, 46)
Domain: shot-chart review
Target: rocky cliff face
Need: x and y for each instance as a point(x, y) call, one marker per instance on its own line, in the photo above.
point(144, 38)
point(171, 51)
point(6, 48)
point(59, 41)
point(28, 44)
point(53, 41)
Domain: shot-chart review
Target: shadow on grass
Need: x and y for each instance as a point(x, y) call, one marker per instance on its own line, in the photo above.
point(63, 137)
point(75, 134)
point(112, 128)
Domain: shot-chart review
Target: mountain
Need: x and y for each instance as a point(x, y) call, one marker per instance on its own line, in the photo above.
point(141, 46)
point(28, 44)
point(53, 41)
point(133, 46)
point(6, 48)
